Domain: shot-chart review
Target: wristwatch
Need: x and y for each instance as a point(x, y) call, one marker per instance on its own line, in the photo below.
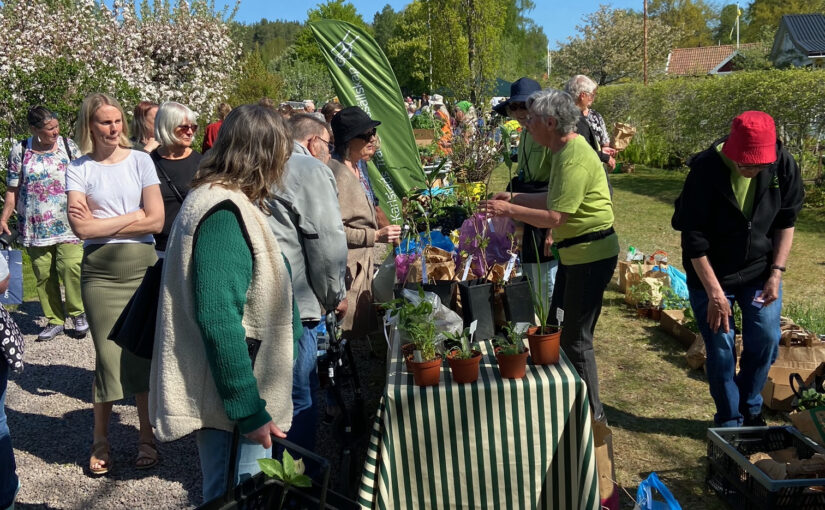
point(781, 268)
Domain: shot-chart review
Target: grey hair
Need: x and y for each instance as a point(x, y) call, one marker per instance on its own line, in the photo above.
point(169, 116)
point(578, 84)
point(304, 125)
point(556, 104)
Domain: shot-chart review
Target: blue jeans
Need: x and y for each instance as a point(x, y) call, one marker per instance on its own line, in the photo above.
point(213, 450)
point(304, 384)
point(8, 476)
point(739, 395)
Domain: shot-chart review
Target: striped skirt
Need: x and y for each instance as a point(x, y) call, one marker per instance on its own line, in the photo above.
point(110, 275)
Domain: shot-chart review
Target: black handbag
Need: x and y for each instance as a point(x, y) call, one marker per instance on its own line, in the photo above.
point(134, 330)
point(11, 341)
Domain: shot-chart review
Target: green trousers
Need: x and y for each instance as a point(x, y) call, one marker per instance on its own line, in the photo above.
point(50, 265)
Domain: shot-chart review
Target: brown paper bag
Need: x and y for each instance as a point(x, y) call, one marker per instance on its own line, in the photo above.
point(603, 444)
point(811, 422)
point(629, 267)
point(696, 355)
point(440, 266)
point(622, 135)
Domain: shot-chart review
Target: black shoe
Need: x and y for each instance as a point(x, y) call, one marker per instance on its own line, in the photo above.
point(754, 420)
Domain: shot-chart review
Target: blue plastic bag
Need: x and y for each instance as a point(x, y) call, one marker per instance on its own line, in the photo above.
point(647, 490)
point(678, 282)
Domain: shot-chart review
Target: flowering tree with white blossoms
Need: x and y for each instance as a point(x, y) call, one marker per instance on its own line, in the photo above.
point(55, 53)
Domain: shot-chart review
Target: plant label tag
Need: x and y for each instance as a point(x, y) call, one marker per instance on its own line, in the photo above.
point(473, 326)
point(521, 327)
point(467, 265)
point(490, 224)
point(509, 269)
point(559, 315)
point(417, 356)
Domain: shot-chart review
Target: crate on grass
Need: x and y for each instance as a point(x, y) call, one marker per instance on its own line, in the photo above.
point(744, 486)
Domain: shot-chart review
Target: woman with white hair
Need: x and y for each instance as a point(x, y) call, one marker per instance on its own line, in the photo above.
point(591, 125)
point(577, 206)
point(175, 160)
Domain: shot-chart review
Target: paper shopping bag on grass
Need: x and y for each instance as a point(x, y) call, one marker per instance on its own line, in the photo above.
point(811, 422)
point(608, 488)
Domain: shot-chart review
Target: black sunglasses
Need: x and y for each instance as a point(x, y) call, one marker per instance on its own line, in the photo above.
point(368, 135)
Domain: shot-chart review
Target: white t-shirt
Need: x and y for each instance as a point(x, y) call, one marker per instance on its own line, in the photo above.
point(113, 190)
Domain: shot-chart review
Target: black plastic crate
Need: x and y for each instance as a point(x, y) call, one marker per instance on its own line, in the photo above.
point(744, 486)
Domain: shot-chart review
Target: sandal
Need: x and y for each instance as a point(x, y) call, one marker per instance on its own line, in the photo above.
point(147, 455)
point(100, 458)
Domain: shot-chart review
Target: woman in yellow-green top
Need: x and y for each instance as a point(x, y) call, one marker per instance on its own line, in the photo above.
point(578, 209)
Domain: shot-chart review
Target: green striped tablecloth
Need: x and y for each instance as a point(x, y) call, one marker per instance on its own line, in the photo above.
point(495, 443)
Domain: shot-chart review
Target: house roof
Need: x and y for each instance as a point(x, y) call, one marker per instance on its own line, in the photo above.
point(702, 60)
point(807, 31)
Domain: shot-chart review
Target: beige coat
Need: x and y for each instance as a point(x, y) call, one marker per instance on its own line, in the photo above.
point(360, 225)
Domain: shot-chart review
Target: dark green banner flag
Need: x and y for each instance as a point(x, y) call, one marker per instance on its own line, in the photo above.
point(362, 77)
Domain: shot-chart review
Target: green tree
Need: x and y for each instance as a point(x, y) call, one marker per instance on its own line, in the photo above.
point(253, 81)
point(524, 44)
point(691, 18)
point(303, 79)
point(725, 30)
point(764, 15)
point(305, 46)
point(383, 25)
point(408, 50)
point(609, 47)
point(271, 38)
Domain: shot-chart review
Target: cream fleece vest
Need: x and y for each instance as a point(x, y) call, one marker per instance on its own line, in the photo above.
point(183, 397)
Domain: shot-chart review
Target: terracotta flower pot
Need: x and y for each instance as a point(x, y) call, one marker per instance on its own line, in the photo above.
point(464, 370)
point(544, 348)
point(642, 311)
point(656, 314)
point(427, 373)
point(512, 366)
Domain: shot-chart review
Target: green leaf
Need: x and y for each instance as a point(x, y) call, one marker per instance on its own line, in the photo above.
point(302, 481)
point(289, 465)
point(272, 468)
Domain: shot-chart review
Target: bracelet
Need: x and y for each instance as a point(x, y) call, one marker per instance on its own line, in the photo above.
point(781, 268)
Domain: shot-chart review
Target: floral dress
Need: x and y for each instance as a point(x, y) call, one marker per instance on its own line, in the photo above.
point(42, 202)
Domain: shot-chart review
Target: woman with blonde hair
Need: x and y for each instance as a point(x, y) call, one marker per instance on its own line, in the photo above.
point(115, 206)
point(224, 345)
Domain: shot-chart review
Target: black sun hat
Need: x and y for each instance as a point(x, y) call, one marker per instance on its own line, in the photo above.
point(520, 90)
point(349, 123)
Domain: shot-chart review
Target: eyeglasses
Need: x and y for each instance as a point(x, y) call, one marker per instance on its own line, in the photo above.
point(367, 136)
point(186, 127)
point(516, 106)
point(330, 146)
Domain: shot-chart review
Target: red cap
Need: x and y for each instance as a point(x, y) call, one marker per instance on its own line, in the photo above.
point(752, 139)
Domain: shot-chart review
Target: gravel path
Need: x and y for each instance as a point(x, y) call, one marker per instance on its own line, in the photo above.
point(50, 416)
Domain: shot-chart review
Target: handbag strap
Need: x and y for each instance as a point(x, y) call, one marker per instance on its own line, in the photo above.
point(159, 166)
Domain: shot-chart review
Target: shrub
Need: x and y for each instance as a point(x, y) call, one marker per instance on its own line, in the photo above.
point(678, 117)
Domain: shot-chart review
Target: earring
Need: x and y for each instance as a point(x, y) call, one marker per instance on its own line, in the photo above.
point(39, 140)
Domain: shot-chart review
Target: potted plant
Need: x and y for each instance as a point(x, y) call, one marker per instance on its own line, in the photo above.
point(425, 363)
point(510, 351)
point(462, 357)
point(544, 339)
point(642, 295)
point(411, 317)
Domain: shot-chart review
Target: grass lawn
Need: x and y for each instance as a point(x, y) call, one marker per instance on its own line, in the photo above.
point(660, 409)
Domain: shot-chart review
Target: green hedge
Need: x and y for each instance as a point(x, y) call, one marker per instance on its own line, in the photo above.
point(678, 117)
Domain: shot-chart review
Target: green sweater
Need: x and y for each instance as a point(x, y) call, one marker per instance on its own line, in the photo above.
point(222, 272)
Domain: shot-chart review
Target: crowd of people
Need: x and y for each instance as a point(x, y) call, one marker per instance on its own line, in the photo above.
point(275, 223)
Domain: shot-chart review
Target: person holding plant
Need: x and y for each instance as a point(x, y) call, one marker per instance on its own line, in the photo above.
point(35, 187)
point(175, 161)
point(356, 141)
point(115, 206)
point(532, 176)
point(578, 209)
point(143, 127)
point(736, 214)
point(224, 348)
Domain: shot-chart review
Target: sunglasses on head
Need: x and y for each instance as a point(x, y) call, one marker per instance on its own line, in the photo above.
point(185, 127)
point(367, 136)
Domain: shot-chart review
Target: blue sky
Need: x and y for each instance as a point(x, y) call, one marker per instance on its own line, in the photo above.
point(558, 18)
